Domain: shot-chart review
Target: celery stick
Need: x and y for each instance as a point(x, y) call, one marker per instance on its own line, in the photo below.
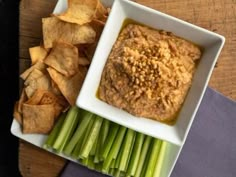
point(86, 135)
point(153, 158)
point(67, 129)
point(143, 154)
point(130, 152)
point(92, 137)
point(117, 163)
point(96, 157)
point(98, 166)
point(81, 142)
point(54, 133)
point(111, 171)
point(84, 162)
point(147, 158)
point(93, 150)
point(133, 164)
point(104, 130)
point(75, 152)
point(117, 173)
point(91, 165)
point(102, 137)
point(109, 141)
point(113, 163)
point(70, 134)
point(127, 146)
point(122, 174)
point(114, 149)
point(87, 116)
point(160, 160)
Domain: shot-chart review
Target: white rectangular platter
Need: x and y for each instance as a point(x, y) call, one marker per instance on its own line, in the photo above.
point(38, 140)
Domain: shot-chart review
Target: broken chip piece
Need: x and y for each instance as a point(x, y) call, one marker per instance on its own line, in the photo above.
point(37, 53)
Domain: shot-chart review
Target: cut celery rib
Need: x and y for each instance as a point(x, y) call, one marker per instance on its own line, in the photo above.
point(160, 160)
point(92, 137)
point(109, 141)
point(78, 133)
point(114, 149)
point(95, 144)
point(127, 146)
point(130, 152)
point(153, 158)
point(67, 129)
point(143, 155)
point(76, 152)
point(135, 154)
point(102, 137)
point(54, 133)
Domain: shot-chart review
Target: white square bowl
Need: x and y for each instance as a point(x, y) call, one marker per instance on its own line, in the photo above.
point(211, 42)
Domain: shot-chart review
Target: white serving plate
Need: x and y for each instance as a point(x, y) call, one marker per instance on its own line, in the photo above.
point(38, 140)
point(211, 42)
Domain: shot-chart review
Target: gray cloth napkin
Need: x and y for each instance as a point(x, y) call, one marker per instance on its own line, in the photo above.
point(210, 149)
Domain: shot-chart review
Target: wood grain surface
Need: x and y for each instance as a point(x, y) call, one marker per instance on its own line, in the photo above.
point(215, 15)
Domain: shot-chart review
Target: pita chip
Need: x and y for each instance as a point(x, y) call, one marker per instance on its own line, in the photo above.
point(38, 118)
point(69, 87)
point(64, 58)
point(55, 29)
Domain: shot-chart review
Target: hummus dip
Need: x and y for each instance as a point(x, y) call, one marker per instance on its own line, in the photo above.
point(148, 72)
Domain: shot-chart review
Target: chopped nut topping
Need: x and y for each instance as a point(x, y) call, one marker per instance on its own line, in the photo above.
point(151, 66)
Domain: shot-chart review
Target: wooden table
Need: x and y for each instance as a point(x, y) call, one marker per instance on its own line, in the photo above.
point(215, 15)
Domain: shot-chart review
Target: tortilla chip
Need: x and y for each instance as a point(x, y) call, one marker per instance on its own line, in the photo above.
point(37, 53)
point(69, 87)
point(38, 118)
point(34, 74)
point(42, 82)
point(55, 29)
point(79, 11)
point(16, 114)
point(84, 61)
point(64, 58)
point(38, 65)
point(23, 98)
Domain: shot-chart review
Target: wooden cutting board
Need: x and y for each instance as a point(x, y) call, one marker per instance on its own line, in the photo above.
point(215, 15)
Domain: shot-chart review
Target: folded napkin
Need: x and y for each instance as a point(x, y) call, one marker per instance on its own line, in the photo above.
point(210, 149)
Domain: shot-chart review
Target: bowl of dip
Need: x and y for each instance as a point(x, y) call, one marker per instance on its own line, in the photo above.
point(150, 71)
